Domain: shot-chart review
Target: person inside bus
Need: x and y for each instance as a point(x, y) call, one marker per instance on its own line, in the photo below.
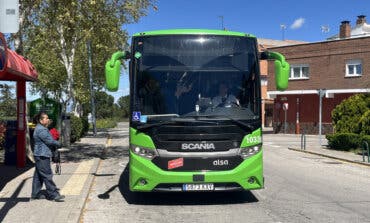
point(151, 97)
point(185, 96)
point(224, 98)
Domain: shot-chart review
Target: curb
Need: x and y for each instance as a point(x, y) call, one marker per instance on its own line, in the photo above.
point(102, 157)
point(331, 157)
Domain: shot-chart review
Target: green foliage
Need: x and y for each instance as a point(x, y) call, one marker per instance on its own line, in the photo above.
point(104, 105)
point(365, 138)
point(79, 127)
point(2, 133)
point(8, 102)
point(85, 125)
point(344, 141)
point(347, 116)
point(124, 106)
point(106, 123)
point(76, 128)
point(53, 35)
point(365, 123)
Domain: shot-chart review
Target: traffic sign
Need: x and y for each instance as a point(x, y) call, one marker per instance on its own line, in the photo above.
point(285, 106)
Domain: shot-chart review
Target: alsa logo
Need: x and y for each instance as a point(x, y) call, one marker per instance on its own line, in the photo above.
point(220, 162)
point(198, 146)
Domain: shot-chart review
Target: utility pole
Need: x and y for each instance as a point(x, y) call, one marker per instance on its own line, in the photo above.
point(92, 93)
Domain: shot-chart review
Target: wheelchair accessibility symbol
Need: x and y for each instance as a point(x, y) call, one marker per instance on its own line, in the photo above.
point(136, 116)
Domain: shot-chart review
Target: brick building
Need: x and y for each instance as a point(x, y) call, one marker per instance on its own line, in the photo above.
point(267, 103)
point(335, 69)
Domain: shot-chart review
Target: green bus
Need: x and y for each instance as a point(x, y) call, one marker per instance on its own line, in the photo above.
point(195, 109)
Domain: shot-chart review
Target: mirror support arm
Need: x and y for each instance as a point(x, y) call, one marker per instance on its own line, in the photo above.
point(276, 56)
point(119, 55)
point(282, 68)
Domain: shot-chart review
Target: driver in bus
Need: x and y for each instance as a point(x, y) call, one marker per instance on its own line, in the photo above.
point(224, 98)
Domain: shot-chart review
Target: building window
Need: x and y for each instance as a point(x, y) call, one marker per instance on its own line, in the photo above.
point(301, 71)
point(353, 68)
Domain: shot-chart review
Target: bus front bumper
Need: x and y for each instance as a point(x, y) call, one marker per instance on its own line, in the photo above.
point(145, 176)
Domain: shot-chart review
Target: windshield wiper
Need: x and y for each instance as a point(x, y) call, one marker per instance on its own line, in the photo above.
point(249, 126)
point(172, 121)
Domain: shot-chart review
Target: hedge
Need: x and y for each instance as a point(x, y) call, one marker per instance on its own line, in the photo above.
point(79, 127)
point(106, 123)
point(346, 141)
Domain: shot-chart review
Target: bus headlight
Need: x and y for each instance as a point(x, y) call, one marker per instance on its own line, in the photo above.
point(143, 152)
point(249, 151)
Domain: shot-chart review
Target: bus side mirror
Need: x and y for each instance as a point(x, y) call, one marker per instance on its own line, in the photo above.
point(113, 69)
point(282, 69)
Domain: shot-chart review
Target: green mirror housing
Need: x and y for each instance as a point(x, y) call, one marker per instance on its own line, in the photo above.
point(113, 70)
point(282, 69)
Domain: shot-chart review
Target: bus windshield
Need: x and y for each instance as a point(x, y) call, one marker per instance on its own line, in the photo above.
point(196, 75)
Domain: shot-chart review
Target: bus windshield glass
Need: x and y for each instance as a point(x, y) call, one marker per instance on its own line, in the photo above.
point(196, 75)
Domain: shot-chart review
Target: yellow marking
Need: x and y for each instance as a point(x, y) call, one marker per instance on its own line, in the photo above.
point(77, 181)
point(109, 141)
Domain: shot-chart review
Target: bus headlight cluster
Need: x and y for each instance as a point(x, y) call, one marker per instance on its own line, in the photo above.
point(249, 151)
point(143, 152)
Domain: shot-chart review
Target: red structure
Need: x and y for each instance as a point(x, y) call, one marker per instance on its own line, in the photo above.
point(14, 67)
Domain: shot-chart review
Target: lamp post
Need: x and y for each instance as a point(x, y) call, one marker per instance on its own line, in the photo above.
point(321, 93)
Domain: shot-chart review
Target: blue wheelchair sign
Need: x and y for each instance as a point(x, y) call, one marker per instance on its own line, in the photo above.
point(136, 116)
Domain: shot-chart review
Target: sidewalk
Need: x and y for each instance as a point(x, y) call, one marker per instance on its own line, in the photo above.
point(325, 151)
point(78, 168)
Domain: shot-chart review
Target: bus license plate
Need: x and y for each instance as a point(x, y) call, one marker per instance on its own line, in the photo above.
point(197, 187)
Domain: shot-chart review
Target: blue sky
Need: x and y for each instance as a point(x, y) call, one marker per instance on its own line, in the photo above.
point(263, 18)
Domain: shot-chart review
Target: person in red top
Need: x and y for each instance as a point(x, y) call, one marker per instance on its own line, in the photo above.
point(55, 134)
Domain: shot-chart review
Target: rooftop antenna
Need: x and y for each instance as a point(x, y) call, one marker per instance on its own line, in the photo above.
point(222, 22)
point(325, 29)
point(283, 28)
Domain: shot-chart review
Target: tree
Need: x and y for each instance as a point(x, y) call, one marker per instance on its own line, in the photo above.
point(104, 105)
point(54, 35)
point(349, 115)
point(8, 102)
point(124, 105)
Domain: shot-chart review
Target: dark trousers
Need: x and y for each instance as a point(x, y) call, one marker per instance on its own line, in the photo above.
point(43, 175)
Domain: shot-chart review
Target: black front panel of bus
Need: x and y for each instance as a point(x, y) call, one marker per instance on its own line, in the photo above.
point(209, 138)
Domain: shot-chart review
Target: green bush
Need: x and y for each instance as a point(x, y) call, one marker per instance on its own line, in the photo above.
point(347, 115)
point(85, 125)
point(344, 141)
point(106, 123)
point(365, 123)
point(76, 128)
point(365, 138)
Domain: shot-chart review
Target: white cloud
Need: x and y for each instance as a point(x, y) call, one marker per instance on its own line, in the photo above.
point(298, 23)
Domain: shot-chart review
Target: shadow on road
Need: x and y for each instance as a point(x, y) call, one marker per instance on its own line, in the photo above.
point(178, 198)
point(85, 151)
point(82, 151)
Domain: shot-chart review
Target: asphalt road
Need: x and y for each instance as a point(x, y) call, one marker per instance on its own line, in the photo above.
point(299, 188)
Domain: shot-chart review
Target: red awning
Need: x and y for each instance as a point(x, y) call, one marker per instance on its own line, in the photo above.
point(14, 67)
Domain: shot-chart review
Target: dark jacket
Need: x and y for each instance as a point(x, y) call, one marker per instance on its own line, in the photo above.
point(43, 141)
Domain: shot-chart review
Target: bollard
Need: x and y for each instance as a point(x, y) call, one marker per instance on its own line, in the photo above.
point(303, 142)
point(365, 148)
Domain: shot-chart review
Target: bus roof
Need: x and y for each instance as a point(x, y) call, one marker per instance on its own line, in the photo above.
point(193, 32)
